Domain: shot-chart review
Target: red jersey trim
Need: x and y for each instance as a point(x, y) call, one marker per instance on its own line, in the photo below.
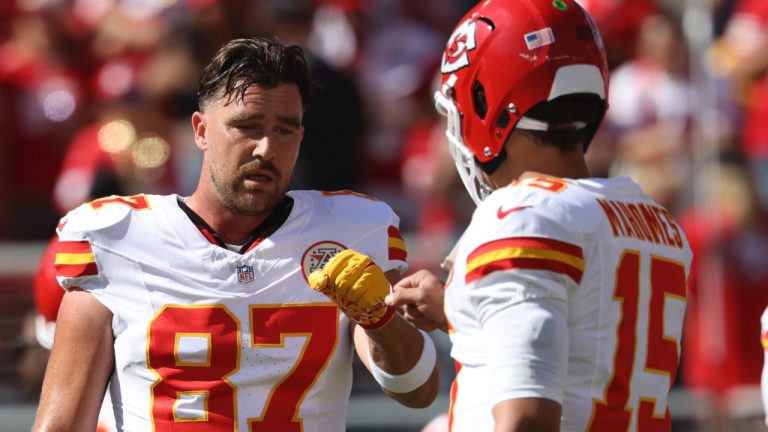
point(525, 253)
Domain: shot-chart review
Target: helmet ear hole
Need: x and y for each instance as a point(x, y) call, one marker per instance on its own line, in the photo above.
point(478, 97)
point(503, 121)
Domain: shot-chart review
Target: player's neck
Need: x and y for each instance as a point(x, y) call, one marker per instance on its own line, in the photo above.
point(231, 227)
point(537, 161)
point(565, 167)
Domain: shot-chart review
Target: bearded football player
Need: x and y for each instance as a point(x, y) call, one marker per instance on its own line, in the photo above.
point(238, 307)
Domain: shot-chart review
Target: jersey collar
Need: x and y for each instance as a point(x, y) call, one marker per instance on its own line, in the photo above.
point(275, 220)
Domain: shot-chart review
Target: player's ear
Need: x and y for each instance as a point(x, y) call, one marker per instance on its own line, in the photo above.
point(198, 127)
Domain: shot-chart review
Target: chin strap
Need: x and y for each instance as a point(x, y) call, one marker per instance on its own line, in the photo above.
point(492, 165)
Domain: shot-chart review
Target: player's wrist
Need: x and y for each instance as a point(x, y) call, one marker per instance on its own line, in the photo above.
point(412, 379)
point(380, 323)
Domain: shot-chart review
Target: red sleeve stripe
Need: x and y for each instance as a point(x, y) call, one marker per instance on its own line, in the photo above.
point(397, 250)
point(66, 270)
point(75, 247)
point(75, 259)
point(525, 253)
point(394, 232)
point(524, 263)
point(398, 254)
point(529, 243)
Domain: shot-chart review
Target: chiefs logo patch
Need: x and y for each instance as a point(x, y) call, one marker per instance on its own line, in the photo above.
point(461, 42)
point(318, 255)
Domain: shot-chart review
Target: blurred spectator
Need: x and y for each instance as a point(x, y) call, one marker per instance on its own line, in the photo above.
point(741, 55)
point(395, 74)
point(649, 113)
point(124, 152)
point(729, 238)
point(30, 358)
point(331, 151)
point(619, 22)
point(42, 99)
point(440, 206)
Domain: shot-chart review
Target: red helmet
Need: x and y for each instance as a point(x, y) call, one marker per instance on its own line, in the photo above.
point(503, 58)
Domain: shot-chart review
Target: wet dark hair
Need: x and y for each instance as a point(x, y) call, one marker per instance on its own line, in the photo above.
point(242, 63)
point(573, 120)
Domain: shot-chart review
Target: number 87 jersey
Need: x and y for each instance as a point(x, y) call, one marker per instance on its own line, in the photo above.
point(207, 339)
point(569, 290)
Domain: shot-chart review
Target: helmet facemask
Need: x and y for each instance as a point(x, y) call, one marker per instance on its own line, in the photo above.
point(466, 164)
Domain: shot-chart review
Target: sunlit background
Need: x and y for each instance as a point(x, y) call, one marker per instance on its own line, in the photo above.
point(96, 96)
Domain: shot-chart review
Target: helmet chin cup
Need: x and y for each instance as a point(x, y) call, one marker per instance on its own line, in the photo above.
point(468, 169)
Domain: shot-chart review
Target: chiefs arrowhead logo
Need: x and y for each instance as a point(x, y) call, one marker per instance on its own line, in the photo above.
point(461, 42)
point(318, 255)
point(501, 214)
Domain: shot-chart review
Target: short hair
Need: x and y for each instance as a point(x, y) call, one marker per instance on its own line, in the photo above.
point(241, 63)
point(573, 120)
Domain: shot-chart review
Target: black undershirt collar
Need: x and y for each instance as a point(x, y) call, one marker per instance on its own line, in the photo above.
point(275, 220)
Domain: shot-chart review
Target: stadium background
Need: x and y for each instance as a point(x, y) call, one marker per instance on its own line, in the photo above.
point(95, 97)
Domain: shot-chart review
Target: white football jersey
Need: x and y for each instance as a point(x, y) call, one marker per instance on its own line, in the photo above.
point(209, 339)
point(598, 257)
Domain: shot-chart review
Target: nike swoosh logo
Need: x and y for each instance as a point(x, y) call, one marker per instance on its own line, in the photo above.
point(504, 213)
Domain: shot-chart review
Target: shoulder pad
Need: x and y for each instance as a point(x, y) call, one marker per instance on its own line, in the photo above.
point(355, 207)
point(99, 214)
point(526, 211)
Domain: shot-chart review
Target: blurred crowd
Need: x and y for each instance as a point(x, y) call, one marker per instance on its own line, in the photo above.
point(96, 95)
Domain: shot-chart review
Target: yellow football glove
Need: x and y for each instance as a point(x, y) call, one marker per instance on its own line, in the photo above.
point(357, 286)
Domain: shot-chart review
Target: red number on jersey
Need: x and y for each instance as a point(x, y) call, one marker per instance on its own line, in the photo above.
point(193, 349)
point(192, 391)
point(551, 184)
point(269, 326)
point(136, 202)
point(667, 279)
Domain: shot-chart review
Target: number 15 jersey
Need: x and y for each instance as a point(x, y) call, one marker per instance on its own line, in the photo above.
point(207, 339)
point(602, 261)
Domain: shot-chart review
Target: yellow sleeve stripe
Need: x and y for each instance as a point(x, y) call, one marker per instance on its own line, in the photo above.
point(74, 258)
point(512, 252)
point(395, 242)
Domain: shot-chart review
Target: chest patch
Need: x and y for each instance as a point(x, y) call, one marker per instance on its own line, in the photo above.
point(318, 255)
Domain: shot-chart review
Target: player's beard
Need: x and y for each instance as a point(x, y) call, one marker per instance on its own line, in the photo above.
point(233, 194)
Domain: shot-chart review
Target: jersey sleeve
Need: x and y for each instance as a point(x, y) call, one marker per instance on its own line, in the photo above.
point(531, 254)
point(379, 228)
point(519, 272)
point(529, 358)
point(84, 233)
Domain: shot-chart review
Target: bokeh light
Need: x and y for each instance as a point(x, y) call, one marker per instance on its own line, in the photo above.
point(116, 136)
point(150, 152)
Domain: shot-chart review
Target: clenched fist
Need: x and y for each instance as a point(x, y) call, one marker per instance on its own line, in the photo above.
point(357, 286)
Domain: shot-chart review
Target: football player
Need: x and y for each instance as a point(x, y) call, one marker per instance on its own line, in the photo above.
point(238, 307)
point(566, 293)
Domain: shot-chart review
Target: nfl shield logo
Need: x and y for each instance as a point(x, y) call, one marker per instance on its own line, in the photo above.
point(245, 274)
